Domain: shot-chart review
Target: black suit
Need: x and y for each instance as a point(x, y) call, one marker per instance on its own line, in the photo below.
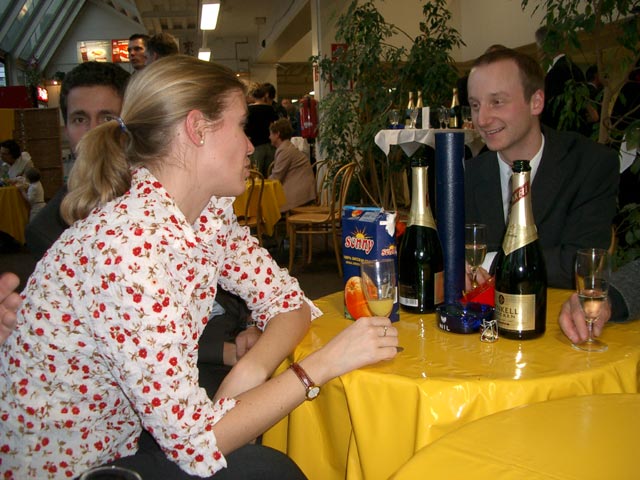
point(573, 197)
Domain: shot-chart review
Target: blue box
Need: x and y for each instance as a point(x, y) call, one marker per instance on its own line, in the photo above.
point(367, 233)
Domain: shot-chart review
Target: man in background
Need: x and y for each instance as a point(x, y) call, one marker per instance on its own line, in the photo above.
point(91, 94)
point(574, 181)
point(560, 73)
point(161, 45)
point(138, 51)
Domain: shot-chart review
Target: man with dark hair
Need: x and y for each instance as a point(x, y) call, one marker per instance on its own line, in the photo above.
point(91, 94)
point(574, 180)
point(161, 45)
point(138, 50)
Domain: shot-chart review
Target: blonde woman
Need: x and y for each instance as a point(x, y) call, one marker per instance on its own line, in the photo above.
point(106, 339)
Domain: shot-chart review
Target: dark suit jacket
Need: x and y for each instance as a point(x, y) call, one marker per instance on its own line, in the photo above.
point(573, 198)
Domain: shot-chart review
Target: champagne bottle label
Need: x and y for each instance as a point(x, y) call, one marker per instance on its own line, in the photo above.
point(409, 297)
point(516, 313)
point(517, 236)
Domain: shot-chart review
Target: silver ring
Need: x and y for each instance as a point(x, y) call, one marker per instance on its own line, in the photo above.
point(384, 334)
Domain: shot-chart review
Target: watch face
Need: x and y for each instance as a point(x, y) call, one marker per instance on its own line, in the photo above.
point(313, 392)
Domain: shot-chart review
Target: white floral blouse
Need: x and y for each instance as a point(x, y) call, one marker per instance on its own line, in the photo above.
point(107, 336)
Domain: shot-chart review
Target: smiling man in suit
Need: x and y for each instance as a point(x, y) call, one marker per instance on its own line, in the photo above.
point(574, 180)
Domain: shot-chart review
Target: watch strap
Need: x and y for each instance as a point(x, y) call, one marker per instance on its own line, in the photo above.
point(309, 384)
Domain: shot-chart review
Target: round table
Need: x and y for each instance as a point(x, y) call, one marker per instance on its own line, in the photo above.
point(14, 212)
point(368, 423)
point(588, 437)
point(272, 199)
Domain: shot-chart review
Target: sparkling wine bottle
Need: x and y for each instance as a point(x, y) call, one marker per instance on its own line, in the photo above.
point(419, 106)
point(521, 276)
point(455, 115)
point(420, 262)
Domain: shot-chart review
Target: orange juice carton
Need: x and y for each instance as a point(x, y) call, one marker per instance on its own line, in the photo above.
point(368, 233)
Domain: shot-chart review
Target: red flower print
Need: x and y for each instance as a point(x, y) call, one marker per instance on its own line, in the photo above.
point(84, 260)
point(173, 361)
point(159, 356)
point(138, 231)
point(156, 402)
point(157, 385)
point(147, 246)
point(157, 307)
point(137, 251)
point(143, 353)
point(137, 298)
point(83, 389)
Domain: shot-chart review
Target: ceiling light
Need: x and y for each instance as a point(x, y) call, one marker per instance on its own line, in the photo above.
point(209, 15)
point(204, 54)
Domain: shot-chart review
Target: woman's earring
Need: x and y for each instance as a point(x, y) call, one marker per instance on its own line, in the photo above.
point(202, 141)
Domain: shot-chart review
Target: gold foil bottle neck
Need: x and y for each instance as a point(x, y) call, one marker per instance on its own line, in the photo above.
point(420, 213)
point(521, 229)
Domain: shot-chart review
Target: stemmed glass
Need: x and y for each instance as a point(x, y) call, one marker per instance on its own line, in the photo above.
point(593, 271)
point(443, 117)
point(413, 116)
point(475, 247)
point(394, 118)
point(467, 121)
point(379, 286)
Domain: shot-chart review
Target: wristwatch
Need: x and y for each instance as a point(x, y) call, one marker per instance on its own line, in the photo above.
point(312, 389)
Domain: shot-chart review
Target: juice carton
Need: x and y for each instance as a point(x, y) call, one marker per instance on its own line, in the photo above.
point(367, 233)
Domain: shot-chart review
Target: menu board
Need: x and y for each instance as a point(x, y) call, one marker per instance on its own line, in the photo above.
point(119, 51)
point(103, 51)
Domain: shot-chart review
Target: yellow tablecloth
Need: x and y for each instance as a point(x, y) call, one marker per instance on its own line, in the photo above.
point(14, 213)
point(272, 199)
point(368, 423)
point(588, 437)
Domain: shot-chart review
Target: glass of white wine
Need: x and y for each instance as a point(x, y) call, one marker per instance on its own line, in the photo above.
point(593, 272)
point(475, 247)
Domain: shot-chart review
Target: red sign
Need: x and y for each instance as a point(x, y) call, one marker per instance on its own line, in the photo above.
point(119, 51)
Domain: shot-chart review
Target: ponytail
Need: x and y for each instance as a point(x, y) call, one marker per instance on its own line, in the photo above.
point(100, 173)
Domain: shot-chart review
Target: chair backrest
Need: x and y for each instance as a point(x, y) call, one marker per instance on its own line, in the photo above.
point(340, 188)
point(323, 185)
point(254, 198)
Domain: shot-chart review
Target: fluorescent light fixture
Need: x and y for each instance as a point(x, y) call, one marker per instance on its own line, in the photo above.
point(209, 15)
point(204, 54)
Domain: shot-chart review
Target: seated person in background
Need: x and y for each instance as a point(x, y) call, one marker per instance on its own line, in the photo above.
point(291, 167)
point(16, 162)
point(574, 180)
point(150, 238)
point(624, 304)
point(33, 192)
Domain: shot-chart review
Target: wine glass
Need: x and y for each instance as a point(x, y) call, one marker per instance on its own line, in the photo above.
point(593, 271)
point(379, 286)
point(467, 121)
point(443, 117)
point(394, 118)
point(413, 116)
point(475, 247)
point(110, 473)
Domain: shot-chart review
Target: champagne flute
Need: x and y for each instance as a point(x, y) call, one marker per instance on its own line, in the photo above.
point(379, 286)
point(593, 271)
point(394, 118)
point(475, 247)
point(413, 116)
point(443, 117)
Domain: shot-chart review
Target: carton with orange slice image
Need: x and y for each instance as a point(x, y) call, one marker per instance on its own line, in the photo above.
point(367, 233)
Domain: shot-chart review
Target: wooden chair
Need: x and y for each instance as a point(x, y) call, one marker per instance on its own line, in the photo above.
point(323, 223)
point(253, 219)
